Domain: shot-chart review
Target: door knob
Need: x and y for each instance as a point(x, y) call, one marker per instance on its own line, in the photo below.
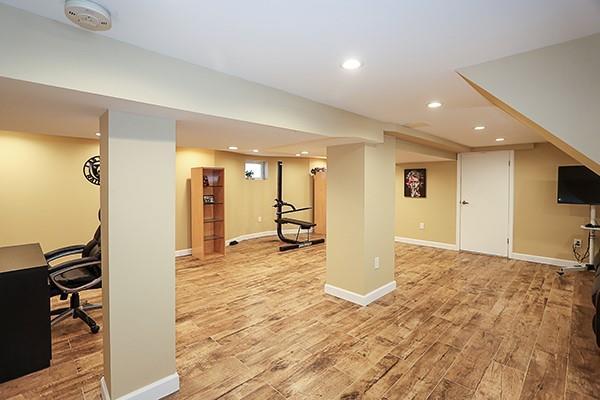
point(464, 202)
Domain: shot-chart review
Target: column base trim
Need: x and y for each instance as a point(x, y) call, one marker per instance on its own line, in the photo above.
point(360, 299)
point(155, 390)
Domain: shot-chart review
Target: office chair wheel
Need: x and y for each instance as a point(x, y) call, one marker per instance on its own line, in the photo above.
point(94, 328)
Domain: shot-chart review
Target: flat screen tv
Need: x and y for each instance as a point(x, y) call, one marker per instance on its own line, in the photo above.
point(578, 185)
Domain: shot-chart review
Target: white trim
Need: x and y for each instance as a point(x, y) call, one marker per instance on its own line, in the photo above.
point(183, 252)
point(542, 260)
point(156, 390)
point(511, 201)
point(360, 299)
point(458, 196)
point(104, 394)
point(428, 243)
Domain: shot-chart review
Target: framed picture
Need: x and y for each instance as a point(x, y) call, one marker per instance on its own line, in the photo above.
point(209, 199)
point(415, 183)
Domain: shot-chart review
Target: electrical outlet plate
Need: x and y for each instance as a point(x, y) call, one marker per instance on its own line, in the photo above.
point(376, 263)
point(577, 243)
point(422, 225)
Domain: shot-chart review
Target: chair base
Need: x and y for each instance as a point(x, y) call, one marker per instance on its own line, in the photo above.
point(76, 310)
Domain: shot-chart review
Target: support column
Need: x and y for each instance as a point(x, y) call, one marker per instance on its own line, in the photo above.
point(137, 156)
point(360, 221)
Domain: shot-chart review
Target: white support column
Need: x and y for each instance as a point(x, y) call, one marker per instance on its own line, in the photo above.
point(360, 221)
point(138, 245)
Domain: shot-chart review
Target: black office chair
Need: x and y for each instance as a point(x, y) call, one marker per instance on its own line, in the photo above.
point(74, 276)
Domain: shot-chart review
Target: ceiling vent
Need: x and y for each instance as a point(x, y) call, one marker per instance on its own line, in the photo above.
point(88, 15)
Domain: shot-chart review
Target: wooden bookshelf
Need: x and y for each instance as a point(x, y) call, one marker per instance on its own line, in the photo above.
point(320, 202)
point(208, 212)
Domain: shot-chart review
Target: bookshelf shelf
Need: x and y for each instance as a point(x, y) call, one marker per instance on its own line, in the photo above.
point(208, 211)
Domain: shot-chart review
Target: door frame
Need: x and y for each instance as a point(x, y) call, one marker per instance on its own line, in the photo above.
point(511, 197)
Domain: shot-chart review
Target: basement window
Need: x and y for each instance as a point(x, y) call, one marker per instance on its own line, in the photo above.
point(255, 170)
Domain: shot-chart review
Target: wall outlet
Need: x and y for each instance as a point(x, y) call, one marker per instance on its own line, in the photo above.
point(376, 263)
point(259, 219)
point(577, 243)
point(421, 225)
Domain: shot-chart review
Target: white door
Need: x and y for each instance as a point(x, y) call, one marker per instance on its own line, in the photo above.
point(485, 202)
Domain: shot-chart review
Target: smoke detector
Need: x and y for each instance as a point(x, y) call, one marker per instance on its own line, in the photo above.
point(88, 15)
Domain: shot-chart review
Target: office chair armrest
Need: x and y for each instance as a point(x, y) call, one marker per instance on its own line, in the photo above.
point(88, 285)
point(71, 263)
point(63, 252)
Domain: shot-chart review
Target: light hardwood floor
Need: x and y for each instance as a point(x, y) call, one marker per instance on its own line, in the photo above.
point(256, 325)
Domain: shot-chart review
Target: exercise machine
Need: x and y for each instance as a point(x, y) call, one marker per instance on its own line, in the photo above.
point(281, 219)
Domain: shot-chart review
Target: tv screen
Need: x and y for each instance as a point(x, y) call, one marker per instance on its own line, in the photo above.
point(578, 185)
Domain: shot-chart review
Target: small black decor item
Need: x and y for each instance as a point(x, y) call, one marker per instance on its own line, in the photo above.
point(415, 183)
point(209, 199)
point(205, 180)
point(91, 170)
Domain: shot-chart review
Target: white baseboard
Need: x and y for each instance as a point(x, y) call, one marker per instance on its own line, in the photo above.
point(516, 256)
point(418, 242)
point(256, 235)
point(360, 299)
point(543, 260)
point(156, 390)
point(183, 252)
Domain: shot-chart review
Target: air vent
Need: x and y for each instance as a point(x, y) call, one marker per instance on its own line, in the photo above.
point(88, 15)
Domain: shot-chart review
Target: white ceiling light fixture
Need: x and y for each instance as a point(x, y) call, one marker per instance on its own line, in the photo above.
point(304, 152)
point(297, 154)
point(232, 148)
point(98, 134)
point(351, 64)
point(479, 128)
point(500, 139)
point(434, 104)
point(255, 150)
point(88, 15)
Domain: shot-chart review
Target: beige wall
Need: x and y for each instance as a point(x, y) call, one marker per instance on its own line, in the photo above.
point(437, 210)
point(44, 196)
point(542, 226)
point(186, 159)
point(247, 200)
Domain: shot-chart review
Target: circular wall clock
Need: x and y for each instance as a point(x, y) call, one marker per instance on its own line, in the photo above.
point(91, 170)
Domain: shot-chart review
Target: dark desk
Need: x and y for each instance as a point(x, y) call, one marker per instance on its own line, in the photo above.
point(25, 338)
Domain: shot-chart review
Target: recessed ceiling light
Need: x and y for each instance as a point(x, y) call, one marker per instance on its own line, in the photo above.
point(255, 150)
point(351, 63)
point(304, 152)
point(479, 128)
point(434, 104)
point(232, 148)
point(500, 139)
point(297, 154)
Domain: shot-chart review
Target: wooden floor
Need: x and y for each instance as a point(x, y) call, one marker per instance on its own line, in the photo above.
point(256, 325)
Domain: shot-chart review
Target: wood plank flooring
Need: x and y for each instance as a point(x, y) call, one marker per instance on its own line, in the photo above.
point(256, 325)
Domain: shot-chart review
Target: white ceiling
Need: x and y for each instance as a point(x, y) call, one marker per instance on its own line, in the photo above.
point(410, 49)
